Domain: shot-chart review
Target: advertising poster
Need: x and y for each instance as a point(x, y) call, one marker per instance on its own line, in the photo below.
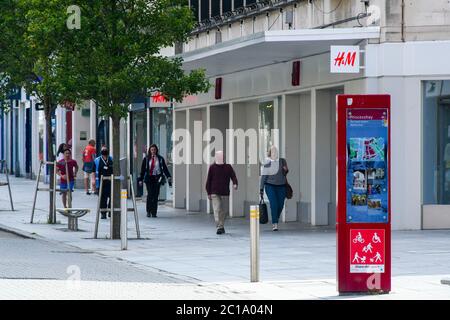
point(367, 251)
point(367, 165)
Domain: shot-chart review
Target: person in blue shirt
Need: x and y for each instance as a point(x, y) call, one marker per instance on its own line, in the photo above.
point(104, 167)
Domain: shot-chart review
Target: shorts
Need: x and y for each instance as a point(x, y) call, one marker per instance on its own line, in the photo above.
point(88, 167)
point(86, 174)
point(63, 186)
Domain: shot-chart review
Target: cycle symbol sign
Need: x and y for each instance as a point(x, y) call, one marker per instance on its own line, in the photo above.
point(367, 251)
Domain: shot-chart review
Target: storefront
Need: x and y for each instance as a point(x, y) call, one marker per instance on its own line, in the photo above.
point(436, 153)
point(139, 115)
point(257, 92)
point(162, 136)
point(142, 135)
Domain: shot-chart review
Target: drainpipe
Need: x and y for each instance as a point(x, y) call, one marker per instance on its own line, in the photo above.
point(403, 20)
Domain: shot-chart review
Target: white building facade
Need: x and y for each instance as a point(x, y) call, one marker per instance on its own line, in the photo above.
point(253, 52)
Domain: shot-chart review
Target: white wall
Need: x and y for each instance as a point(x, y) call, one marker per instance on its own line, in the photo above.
point(272, 80)
point(398, 69)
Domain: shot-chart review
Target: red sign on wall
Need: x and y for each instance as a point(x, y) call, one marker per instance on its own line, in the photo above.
point(367, 250)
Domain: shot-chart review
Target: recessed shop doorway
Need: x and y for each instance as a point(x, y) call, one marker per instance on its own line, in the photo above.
point(310, 144)
point(436, 155)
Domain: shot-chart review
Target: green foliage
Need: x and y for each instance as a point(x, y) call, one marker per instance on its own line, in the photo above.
point(33, 55)
point(117, 52)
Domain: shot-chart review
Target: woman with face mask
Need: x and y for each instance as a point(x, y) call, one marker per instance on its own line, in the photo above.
point(273, 180)
point(104, 167)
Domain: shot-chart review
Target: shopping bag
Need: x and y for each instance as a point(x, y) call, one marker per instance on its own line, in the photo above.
point(263, 215)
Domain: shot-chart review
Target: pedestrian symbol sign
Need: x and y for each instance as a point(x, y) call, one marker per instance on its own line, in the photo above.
point(367, 251)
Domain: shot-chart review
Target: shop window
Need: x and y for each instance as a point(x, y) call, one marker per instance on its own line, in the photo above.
point(238, 4)
point(266, 125)
point(436, 142)
point(194, 8)
point(204, 9)
point(162, 127)
point(215, 8)
point(226, 6)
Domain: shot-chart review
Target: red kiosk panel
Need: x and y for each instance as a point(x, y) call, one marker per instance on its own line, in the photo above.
point(363, 193)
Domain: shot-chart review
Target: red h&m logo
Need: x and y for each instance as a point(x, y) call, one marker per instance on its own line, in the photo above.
point(159, 98)
point(344, 59)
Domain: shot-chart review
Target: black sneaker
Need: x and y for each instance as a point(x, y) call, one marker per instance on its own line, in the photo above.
point(154, 216)
point(148, 214)
point(88, 193)
point(103, 216)
point(220, 231)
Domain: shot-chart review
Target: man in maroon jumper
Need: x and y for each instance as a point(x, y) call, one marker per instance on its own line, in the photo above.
point(218, 188)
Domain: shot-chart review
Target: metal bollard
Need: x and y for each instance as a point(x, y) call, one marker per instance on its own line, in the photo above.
point(123, 219)
point(254, 243)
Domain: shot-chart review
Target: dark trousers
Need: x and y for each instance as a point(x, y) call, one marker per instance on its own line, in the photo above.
point(105, 199)
point(152, 195)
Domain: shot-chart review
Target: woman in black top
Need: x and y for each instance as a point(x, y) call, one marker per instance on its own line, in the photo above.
point(153, 173)
point(104, 165)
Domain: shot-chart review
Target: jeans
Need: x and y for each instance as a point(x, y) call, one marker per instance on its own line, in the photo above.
point(277, 195)
point(105, 199)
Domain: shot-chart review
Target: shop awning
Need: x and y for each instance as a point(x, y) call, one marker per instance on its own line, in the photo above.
point(270, 47)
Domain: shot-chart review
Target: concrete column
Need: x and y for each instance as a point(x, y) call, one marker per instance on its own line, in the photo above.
point(305, 158)
point(92, 120)
point(76, 145)
point(252, 169)
point(291, 151)
point(208, 151)
point(179, 167)
point(21, 139)
point(194, 167)
point(8, 131)
point(150, 126)
point(290, 209)
point(60, 115)
point(237, 119)
point(234, 197)
point(320, 155)
point(111, 147)
point(34, 140)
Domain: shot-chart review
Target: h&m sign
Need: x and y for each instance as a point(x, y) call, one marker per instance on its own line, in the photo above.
point(344, 59)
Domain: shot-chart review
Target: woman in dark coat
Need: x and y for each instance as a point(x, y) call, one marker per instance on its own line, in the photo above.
point(153, 172)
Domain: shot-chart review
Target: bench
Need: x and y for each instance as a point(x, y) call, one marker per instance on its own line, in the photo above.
point(73, 214)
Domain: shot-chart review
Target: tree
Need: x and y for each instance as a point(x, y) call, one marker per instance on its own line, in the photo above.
point(116, 55)
point(33, 35)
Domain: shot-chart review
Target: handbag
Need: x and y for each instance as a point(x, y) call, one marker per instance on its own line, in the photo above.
point(289, 191)
point(263, 215)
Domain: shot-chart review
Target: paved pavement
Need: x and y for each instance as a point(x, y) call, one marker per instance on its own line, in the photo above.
point(296, 262)
point(23, 258)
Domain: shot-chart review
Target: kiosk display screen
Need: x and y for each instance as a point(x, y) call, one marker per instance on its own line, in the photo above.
point(367, 166)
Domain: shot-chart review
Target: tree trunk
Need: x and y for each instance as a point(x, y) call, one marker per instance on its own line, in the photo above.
point(50, 157)
point(116, 169)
